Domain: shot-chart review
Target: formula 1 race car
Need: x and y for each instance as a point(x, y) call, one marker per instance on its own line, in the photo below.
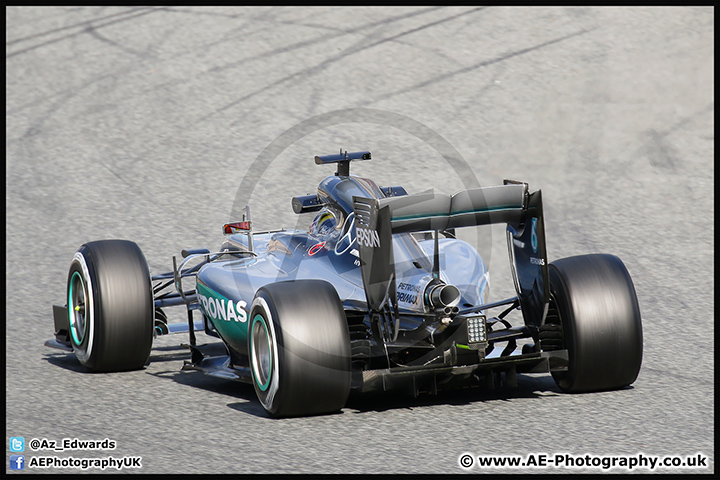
point(379, 294)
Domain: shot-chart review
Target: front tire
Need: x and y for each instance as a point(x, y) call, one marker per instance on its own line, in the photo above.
point(299, 348)
point(110, 306)
point(594, 301)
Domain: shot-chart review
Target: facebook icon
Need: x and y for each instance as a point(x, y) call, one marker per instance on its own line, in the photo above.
point(17, 462)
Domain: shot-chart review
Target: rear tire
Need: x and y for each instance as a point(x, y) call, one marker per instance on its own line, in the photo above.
point(594, 300)
point(299, 348)
point(110, 306)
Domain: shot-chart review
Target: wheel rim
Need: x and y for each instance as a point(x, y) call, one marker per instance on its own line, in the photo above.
point(76, 308)
point(261, 353)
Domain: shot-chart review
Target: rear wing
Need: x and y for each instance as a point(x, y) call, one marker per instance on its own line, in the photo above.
point(377, 219)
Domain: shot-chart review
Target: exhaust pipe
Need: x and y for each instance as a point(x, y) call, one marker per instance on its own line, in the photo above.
point(442, 296)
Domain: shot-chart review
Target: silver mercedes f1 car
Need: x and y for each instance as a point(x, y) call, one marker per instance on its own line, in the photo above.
point(377, 295)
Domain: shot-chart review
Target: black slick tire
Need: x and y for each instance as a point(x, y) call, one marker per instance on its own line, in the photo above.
point(594, 300)
point(110, 305)
point(299, 348)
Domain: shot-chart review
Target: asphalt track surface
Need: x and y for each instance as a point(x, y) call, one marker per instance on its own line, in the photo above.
point(142, 123)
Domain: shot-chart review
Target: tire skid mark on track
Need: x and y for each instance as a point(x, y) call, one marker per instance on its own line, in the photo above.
point(485, 63)
point(314, 70)
point(75, 34)
point(337, 33)
point(76, 25)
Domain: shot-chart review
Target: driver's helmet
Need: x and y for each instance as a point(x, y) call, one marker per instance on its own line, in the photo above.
point(327, 223)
